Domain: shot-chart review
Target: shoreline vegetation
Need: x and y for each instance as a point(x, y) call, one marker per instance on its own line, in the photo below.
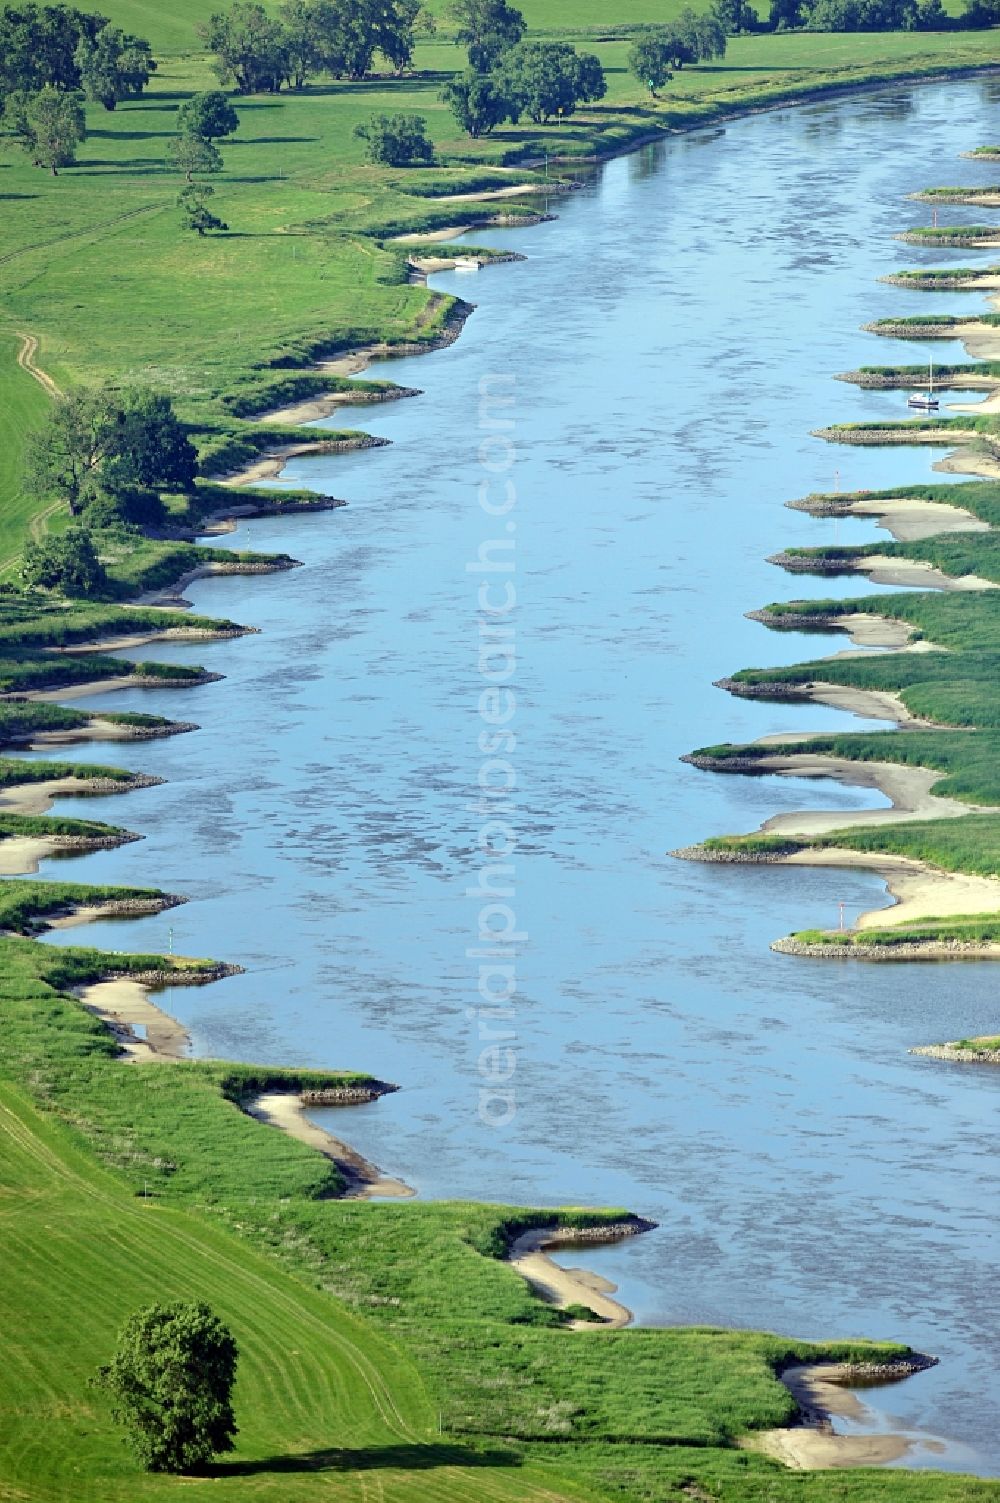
point(184, 1137)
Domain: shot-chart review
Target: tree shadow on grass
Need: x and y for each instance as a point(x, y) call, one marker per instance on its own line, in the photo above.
point(130, 135)
point(401, 1457)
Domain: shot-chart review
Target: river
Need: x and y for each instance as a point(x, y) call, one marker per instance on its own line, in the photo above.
point(669, 344)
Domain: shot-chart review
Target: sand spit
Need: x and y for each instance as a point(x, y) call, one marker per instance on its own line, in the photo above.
point(287, 1111)
point(913, 574)
point(821, 1392)
point(529, 1254)
point(868, 704)
point(908, 789)
point(123, 1005)
point(38, 798)
point(919, 891)
point(905, 518)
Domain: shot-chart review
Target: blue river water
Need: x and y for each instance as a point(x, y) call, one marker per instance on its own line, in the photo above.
point(662, 356)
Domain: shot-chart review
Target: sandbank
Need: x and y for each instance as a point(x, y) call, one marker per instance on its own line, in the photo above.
point(821, 1391)
point(124, 1006)
point(21, 855)
point(907, 788)
point(38, 798)
point(565, 1286)
point(363, 1180)
point(909, 520)
point(914, 573)
point(920, 891)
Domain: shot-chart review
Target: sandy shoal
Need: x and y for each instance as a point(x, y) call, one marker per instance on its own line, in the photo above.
point(915, 574)
point(286, 1111)
point(806, 1449)
point(820, 1392)
point(138, 639)
point(908, 520)
point(38, 798)
point(21, 854)
point(124, 1006)
point(81, 691)
point(565, 1286)
point(908, 789)
point(413, 237)
point(868, 704)
point(920, 892)
point(515, 190)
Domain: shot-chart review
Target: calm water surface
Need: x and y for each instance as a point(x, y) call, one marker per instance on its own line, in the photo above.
point(671, 340)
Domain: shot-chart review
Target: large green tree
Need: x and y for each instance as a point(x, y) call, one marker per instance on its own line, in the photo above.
point(50, 126)
point(208, 115)
point(113, 65)
point(478, 102)
point(171, 1380)
point(38, 46)
point(98, 441)
point(249, 47)
point(546, 79)
point(191, 154)
point(650, 59)
point(488, 29)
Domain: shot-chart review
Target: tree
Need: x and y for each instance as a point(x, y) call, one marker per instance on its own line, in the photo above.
point(649, 60)
point(152, 451)
point(190, 154)
point(171, 1380)
point(113, 65)
point(785, 15)
point(735, 16)
point(702, 33)
point(305, 35)
point(64, 456)
point(931, 16)
point(197, 216)
point(98, 440)
point(544, 79)
point(478, 102)
point(38, 46)
point(208, 115)
point(395, 32)
point(397, 140)
point(248, 46)
point(67, 562)
point(488, 28)
point(591, 83)
point(51, 126)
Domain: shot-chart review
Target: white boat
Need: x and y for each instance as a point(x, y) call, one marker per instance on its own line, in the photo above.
point(925, 400)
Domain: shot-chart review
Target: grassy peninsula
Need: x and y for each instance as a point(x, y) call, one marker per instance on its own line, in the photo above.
point(388, 1351)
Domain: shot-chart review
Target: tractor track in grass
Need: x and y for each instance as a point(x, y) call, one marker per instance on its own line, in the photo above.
point(92, 229)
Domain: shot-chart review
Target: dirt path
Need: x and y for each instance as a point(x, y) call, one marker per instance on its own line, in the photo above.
point(26, 360)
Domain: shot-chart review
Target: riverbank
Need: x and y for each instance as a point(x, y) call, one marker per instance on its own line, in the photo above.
point(571, 1288)
point(823, 1394)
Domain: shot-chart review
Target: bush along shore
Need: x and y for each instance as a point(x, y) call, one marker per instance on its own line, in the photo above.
point(939, 847)
point(450, 1366)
